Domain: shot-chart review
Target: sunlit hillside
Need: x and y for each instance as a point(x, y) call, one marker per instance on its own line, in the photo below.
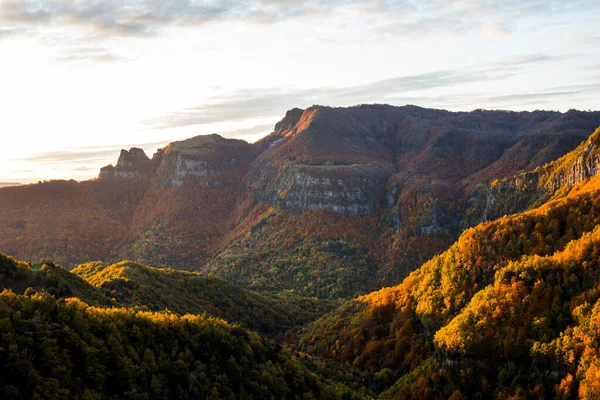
point(506, 311)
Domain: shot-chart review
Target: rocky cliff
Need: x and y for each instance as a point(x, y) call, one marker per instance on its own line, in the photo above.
point(507, 196)
point(209, 161)
point(362, 159)
point(131, 164)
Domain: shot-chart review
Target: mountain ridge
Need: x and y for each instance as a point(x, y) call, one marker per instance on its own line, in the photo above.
point(412, 178)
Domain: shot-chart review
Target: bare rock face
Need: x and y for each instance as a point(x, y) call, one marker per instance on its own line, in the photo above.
point(209, 161)
point(131, 164)
point(321, 159)
point(584, 164)
point(349, 189)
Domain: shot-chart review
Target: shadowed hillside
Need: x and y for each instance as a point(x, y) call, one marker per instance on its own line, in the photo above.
point(134, 285)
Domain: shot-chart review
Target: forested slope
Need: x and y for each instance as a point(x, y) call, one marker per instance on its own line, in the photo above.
point(65, 349)
point(133, 285)
point(503, 312)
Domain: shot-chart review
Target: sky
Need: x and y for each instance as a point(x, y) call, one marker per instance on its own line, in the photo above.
point(81, 79)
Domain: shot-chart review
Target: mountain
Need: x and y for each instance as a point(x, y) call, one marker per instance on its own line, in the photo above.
point(507, 310)
point(355, 198)
point(335, 202)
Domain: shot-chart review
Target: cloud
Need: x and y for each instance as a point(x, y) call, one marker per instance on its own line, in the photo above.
point(147, 17)
point(245, 104)
point(81, 54)
point(527, 100)
point(115, 17)
point(71, 155)
point(251, 131)
point(6, 33)
point(84, 169)
point(495, 30)
point(459, 17)
point(126, 18)
point(91, 154)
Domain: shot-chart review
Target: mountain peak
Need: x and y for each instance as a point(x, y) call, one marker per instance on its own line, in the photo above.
point(290, 119)
point(131, 164)
point(135, 157)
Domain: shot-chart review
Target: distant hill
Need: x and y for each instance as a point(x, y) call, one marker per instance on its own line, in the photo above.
point(127, 284)
point(134, 285)
point(333, 203)
point(9, 184)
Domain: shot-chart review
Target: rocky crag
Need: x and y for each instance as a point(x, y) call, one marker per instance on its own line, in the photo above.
point(528, 189)
point(131, 164)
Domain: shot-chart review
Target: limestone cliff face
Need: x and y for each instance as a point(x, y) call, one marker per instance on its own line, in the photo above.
point(318, 159)
point(350, 189)
point(209, 161)
point(582, 164)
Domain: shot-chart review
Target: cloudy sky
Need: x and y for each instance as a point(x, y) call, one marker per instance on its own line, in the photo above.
point(80, 79)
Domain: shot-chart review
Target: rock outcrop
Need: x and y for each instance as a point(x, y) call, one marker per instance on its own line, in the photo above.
point(210, 161)
point(350, 189)
point(527, 189)
point(131, 164)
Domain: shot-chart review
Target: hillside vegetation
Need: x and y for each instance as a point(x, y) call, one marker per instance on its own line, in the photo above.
point(64, 349)
point(128, 284)
point(133, 285)
point(504, 312)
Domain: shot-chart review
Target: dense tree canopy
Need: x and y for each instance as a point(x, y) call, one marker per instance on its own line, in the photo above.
point(61, 349)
